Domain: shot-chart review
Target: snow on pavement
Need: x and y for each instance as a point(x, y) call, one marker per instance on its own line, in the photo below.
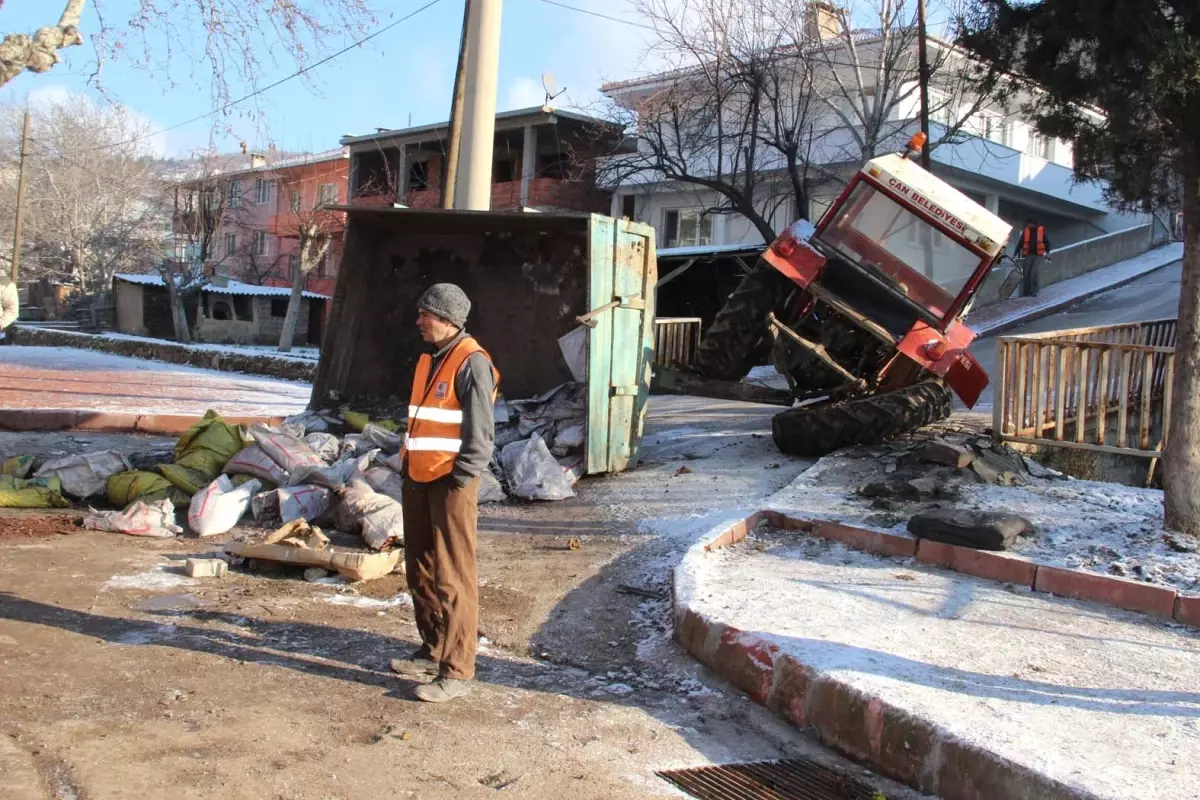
point(1098, 698)
point(67, 378)
point(304, 354)
point(986, 319)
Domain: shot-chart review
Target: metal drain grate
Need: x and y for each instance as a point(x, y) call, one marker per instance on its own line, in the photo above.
point(794, 779)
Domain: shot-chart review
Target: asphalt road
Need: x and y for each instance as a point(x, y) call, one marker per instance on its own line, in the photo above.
point(1150, 297)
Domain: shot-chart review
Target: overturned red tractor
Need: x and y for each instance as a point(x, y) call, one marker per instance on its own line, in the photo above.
point(863, 312)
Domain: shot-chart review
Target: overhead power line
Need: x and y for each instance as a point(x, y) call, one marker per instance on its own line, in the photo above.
point(306, 69)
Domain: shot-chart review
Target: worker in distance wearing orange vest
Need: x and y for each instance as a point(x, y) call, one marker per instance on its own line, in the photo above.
point(1034, 247)
point(449, 442)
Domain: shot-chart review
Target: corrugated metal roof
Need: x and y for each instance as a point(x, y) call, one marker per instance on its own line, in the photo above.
point(234, 287)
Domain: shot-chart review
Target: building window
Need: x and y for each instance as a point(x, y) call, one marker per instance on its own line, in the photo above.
point(418, 175)
point(628, 206)
point(996, 129)
point(1041, 146)
point(296, 201)
point(260, 243)
point(328, 194)
point(293, 264)
point(262, 191)
point(817, 208)
point(235, 194)
point(230, 244)
point(504, 171)
point(279, 307)
point(687, 227)
point(243, 307)
point(325, 268)
point(555, 166)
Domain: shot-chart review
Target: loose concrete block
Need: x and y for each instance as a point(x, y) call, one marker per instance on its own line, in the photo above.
point(951, 455)
point(206, 568)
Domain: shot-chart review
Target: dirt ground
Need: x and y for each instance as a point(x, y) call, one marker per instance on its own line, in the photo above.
point(124, 678)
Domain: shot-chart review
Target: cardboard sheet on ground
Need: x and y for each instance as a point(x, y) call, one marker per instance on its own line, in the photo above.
point(356, 566)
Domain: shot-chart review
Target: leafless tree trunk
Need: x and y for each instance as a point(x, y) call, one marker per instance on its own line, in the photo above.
point(183, 334)
point(313, 247)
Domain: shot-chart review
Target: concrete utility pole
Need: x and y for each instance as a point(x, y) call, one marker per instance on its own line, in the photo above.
point(923, 78)
point(473, 188)
point(16, 254)
point(454, 135)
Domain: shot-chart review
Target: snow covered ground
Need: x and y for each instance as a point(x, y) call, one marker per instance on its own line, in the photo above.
point(1100, 527)
point(1098, 698)
point(296, 354)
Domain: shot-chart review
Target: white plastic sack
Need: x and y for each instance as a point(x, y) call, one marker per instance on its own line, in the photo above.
point(394, 463)
point(311, 421)
point(533, 473)
point(353, 445)
point(382, 438)
point(570, 434)
point(216, 508)
point(302, 502)
point(326, 445)
point(573, 467)
point(573, 347)
point(253, 460)
point(490, 490)
point(385, 481)
point(379, 518)
point(155, 519)
point(289, 452)
point(85, 475)
point(331, 477)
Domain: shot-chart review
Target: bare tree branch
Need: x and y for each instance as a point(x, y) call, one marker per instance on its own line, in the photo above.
point(21, 52)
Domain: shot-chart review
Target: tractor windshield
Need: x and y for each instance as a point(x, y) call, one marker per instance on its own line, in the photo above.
point(878, 232)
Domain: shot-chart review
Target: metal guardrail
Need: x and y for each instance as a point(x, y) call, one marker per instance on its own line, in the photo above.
point(1105, 388)
point(676, 340)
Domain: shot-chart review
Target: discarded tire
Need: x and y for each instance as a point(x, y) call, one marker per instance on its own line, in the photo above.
point(738, 337)
point(818, 430)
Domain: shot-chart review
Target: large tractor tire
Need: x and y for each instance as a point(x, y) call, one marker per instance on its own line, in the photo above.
point(739, 339)
point(818, 430)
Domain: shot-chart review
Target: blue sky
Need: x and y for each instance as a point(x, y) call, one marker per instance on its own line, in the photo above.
point(409, 70)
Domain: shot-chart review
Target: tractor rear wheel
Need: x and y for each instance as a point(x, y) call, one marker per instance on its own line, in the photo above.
point(739, 339)
point(818, 430)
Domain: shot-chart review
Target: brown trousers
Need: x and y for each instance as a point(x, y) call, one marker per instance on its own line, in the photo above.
point(443, 577)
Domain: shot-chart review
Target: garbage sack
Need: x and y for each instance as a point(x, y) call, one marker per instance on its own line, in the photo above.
point(506, 435)
point(253, 460)
point(85, 475)
point(573, 467)
point(216, 508)
point(394, 463)
point(533, 473)
point(264, 504)
point(385, 481)
point(379, 518)
point(155, 519)
point(382, 438)
point(202, 452)
point(17, 466)
point(331, 477)
point(149, 487)
point(490, 490)
point(312, 421)
point(573, 347)
point(32, 492)
point(570, 434)
point(289, 452)
point(291, 429)
point(302, 502)
point(355, 420)
point(326, 445)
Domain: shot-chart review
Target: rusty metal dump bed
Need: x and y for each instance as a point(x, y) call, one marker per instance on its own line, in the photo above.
point(528, 276)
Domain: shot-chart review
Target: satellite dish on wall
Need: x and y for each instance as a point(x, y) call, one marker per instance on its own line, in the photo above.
point(552, 90)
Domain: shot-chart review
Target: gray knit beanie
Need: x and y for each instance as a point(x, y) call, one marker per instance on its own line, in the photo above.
point(447, 301)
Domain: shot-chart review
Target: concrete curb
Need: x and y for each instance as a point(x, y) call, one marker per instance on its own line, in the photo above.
point(1058, 305)
point(170, 353)
point(899, 744)
point(63, 419)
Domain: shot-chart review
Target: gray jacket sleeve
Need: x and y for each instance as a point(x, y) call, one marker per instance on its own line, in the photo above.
point(474, 386)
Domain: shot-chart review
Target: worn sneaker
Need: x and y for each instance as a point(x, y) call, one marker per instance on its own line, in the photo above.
point(442, 690)
point(417, 665)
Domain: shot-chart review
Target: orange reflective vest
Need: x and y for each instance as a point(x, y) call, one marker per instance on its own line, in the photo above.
point(435, 415)
point(1028, 245)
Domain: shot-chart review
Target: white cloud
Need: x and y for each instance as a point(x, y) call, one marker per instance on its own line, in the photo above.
point(524, 93)
point(50, 94)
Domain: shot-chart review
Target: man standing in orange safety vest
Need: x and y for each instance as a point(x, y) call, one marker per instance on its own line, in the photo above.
point(1033, 248)
point(448, 444)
